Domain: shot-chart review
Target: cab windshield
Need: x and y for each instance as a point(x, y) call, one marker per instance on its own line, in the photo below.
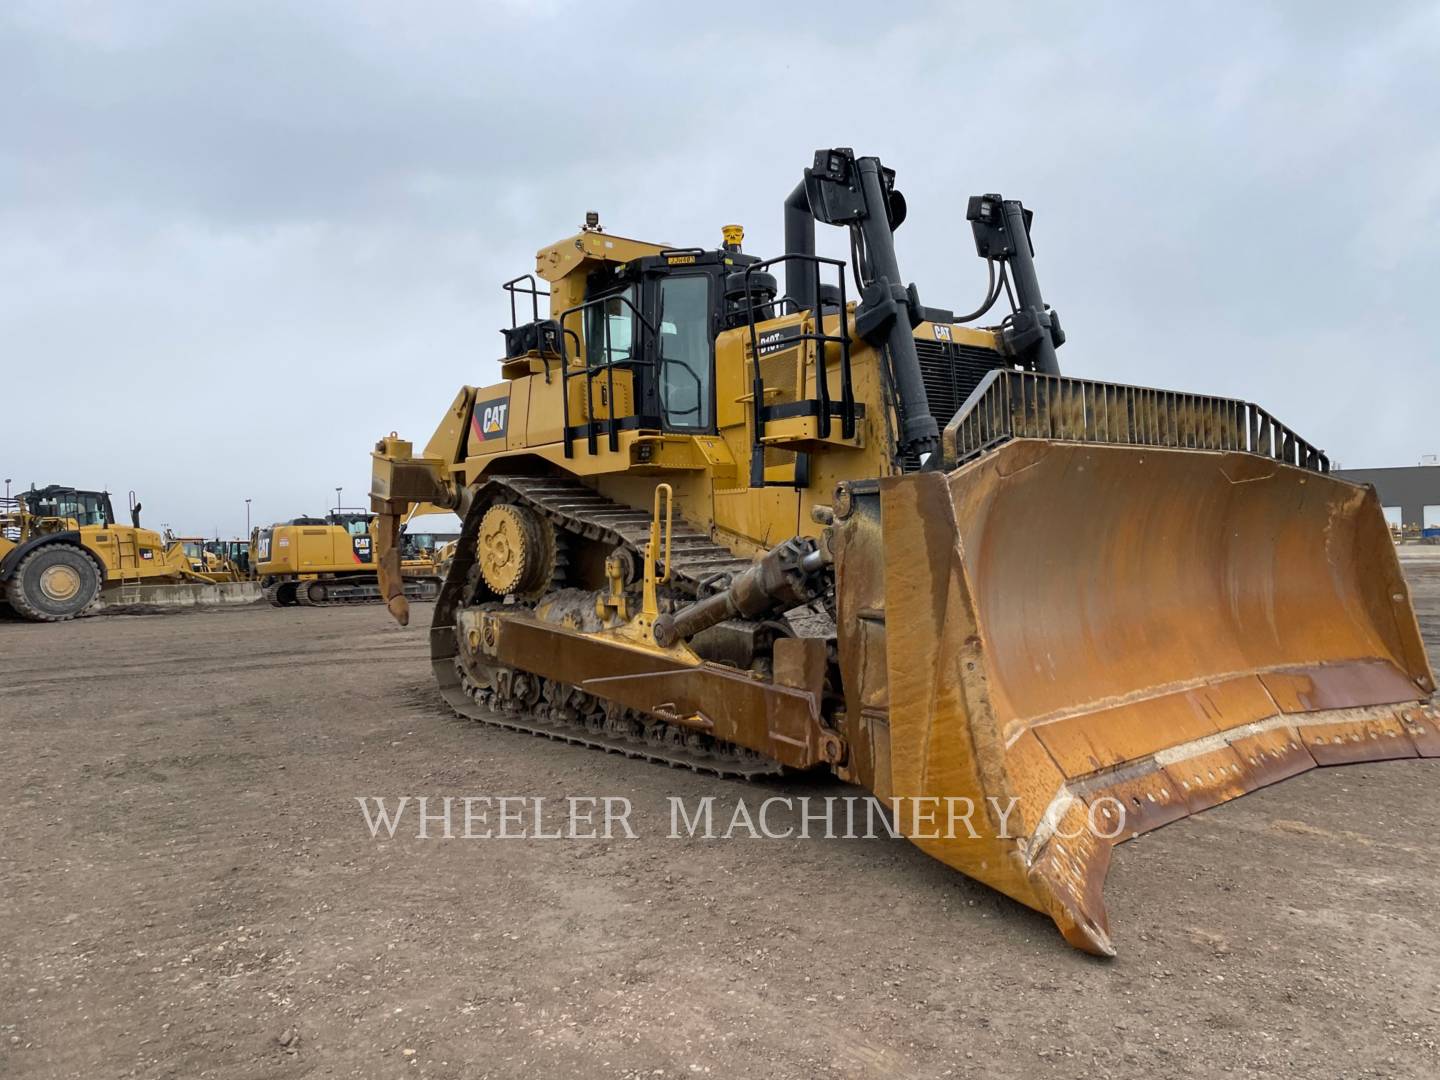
point(355, 525)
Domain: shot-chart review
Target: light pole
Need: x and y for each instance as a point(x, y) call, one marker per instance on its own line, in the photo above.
point(338, 503)
point(247, 517)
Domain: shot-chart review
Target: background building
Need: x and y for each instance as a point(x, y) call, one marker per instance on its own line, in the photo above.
point(1409, 493)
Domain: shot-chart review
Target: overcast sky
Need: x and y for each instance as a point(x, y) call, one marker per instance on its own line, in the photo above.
point(240, 241)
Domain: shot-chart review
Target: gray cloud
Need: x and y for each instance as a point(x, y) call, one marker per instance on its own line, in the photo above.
point(239, 242)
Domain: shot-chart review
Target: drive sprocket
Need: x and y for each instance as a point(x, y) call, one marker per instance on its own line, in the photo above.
point(516, 551)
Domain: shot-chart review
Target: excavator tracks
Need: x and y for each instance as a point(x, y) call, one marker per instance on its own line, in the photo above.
point(522, 701)
point(339, 592)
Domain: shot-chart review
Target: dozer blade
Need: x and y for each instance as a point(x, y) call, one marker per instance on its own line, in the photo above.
point(1104, 639)
point(178, 594)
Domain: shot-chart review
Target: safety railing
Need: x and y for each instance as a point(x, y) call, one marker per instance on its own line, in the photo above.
point(639, 343)
point(524, 285)
point(824, 405)
point(535, 337)
point(1011, 404)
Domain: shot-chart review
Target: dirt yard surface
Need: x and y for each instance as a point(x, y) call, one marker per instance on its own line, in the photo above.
point(188, 888)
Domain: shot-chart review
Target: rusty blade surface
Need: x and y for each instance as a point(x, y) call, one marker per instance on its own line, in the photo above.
point(1118, 637)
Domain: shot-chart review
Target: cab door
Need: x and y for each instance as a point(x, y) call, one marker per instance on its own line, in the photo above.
point(685, 354)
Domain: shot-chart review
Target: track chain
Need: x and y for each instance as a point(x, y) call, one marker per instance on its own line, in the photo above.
point(566, 713)
point(415, 589)
point(698, 563)
point(525, 702)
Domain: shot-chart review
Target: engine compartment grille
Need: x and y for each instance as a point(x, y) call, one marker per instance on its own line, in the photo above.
point(951, 372)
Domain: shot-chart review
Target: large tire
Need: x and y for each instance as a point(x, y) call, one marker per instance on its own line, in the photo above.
point(53, 583)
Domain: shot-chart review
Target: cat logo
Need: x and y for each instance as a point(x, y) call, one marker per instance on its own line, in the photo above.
point(488, 422)
point(942, 332)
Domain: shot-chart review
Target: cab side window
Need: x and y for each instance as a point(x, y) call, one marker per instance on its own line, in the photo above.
point(92, 511)
point(610, 330)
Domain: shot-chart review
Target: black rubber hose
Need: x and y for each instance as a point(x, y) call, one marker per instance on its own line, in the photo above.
point(992, 293)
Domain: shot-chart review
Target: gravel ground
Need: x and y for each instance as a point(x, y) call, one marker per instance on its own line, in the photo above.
point(189, 889)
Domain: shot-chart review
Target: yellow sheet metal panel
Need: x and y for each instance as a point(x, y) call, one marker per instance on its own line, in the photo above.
point(449, 436)
point(490, 420)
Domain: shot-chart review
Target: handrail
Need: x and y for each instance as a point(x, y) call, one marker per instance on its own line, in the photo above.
point(589, 371)
point(820, 339)
point(513, 286)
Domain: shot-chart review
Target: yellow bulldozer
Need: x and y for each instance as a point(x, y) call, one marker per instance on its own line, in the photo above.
point(218, 560)
point(746, 515)
point(63, 554)
point(329, 561)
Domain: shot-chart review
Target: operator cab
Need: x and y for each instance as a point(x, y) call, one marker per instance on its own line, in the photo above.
point(57, 501)
point(657, 318)
point(355, 522)
point(632, 329)
point(658, 315)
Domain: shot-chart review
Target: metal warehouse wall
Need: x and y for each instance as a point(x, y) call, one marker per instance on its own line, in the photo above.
point(1410, 487)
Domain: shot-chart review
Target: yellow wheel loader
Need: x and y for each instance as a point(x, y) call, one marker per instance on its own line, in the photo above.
point(63, 554)
point(329, 561)
point(746, 515)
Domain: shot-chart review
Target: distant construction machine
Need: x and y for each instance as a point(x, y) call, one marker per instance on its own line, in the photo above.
point(218, 560)
point(329, 561)
point(737, 526)
point(62, 554)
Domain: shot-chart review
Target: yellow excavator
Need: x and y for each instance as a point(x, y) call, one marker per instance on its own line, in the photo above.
point(64, 554)
point(746, 515)
point(329, 561)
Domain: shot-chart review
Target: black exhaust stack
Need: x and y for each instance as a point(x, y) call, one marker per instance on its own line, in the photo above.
point(799, 240)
